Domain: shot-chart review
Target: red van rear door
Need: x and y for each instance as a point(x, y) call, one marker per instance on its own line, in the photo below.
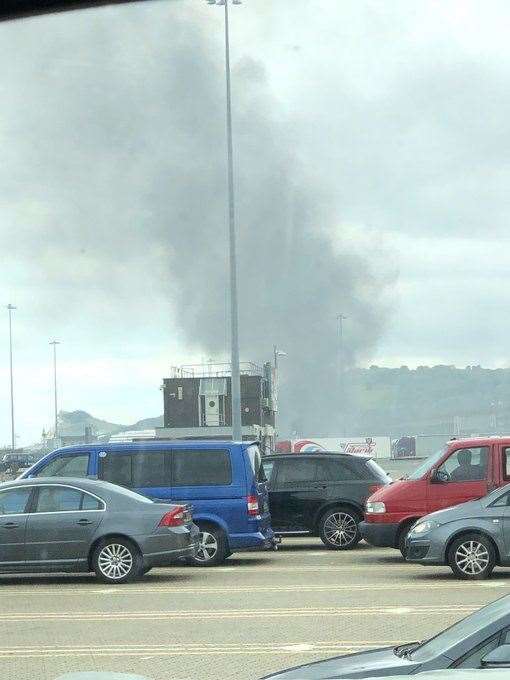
point(466, 472)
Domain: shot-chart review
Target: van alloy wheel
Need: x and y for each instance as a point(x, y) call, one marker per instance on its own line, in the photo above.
point(340, 529)
point(472, 558)
point(207, 548)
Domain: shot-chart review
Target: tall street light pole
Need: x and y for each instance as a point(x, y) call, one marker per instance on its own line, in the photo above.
point(13, 436)
point(55, 343)
point(234, 320)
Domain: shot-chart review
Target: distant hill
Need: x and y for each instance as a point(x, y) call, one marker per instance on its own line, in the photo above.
point(73, 423)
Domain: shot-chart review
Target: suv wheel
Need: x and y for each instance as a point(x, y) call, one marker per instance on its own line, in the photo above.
point(472, 556)
point(338, 528)
point(212, 547)
point(116, 560)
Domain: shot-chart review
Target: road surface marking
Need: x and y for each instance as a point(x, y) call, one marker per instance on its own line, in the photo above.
point(234, 614)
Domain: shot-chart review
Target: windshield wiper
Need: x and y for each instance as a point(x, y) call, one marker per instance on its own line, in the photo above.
point(404, 651)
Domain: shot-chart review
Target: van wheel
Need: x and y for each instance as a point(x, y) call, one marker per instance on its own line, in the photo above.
point(212, 548)
point(117, 560)
point(472, 557)
point(338, 528)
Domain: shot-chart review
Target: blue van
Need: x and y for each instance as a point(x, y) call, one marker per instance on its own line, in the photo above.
point(224, 482)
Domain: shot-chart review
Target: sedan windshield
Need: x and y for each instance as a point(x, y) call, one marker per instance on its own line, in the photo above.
point(440, 644)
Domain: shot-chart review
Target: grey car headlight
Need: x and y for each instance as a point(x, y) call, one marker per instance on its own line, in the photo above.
point(422, 528)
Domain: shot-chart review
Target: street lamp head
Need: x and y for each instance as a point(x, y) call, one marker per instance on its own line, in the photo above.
point(9, 307)
point(54, 342)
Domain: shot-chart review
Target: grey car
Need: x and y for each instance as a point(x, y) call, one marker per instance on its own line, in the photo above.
point(481, 640)
point(83, 525)
point(472, 538)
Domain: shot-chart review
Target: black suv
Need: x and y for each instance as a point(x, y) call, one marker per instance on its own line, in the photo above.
point(321, 494)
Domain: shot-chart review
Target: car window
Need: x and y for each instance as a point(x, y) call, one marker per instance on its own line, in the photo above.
point(446, 639)
point(506, 462)
point(268, 468)
point(427, 464)
point(296, 470)
point(501, 501)
point(473, 658)
point(201, 468)
point(256, 464)
point(336, 470)
point(89, 502)
point(58, 499)
point(466, 465)
point(66, 466)
point(14, 501)
point(136, 470)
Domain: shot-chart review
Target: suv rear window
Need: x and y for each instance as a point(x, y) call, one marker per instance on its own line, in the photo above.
point(341, 470)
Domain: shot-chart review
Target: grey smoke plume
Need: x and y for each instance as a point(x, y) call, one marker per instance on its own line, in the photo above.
point(115, 189)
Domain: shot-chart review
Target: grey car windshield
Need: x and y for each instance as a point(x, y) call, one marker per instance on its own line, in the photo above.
point(440, 644)
point(428, 464)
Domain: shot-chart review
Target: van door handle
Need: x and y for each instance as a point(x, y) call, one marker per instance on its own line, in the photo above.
point(10, 525)
point(320, 486)
point(84, 522)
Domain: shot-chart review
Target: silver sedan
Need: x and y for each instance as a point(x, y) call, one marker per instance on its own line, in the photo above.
point(83, 525)
point(472, 538)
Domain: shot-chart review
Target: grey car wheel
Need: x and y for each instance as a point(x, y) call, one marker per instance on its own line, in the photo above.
point(116, 560)
point(339, 530)
point(472, 557)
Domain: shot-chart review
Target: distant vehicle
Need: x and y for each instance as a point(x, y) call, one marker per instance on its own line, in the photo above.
point(15, 461)
point(81, 525)
point(463, 470)
point(481, 640)
point(471, 538)
point(321, 494)
point(223, 480)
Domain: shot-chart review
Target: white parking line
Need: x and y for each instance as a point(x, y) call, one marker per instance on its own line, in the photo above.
point(234, 614)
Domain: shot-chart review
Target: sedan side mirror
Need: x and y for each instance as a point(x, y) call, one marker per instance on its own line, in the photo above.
point(440, 476)
point(498, 658)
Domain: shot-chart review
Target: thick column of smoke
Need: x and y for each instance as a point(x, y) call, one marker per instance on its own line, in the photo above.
point(116, 190)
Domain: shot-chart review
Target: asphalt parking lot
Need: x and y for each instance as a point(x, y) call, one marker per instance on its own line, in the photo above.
point(259, 613)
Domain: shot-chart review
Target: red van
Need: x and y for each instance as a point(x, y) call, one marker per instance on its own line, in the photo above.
point(463, 470)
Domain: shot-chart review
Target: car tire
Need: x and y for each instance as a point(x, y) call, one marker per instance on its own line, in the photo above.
point(472, 557)
point(117, 560)
point(213, 547)
point(339, 528)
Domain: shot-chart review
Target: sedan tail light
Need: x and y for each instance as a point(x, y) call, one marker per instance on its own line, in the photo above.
point(253, 506)
point(176, 517)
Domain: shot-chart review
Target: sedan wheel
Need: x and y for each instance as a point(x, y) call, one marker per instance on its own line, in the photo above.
point(339, 529)
point(472, 557)
point(117, 561)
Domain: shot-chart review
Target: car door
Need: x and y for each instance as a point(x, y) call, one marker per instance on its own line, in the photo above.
point(61, 525)
point(465, 475)
point(13, 519)
point(295, 494)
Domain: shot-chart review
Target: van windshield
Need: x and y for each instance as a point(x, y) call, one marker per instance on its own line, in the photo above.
point(427, 464)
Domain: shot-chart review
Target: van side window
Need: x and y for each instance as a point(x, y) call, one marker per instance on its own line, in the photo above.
point(465, 465)
point(136, 470)
point(66, 466)
point(196, 467)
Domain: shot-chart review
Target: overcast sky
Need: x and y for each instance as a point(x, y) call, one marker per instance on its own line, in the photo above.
point(372, 152)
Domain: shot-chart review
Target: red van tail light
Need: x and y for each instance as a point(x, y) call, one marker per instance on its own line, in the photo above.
point(374, 487)
point(176, 517)
point(253, 506)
